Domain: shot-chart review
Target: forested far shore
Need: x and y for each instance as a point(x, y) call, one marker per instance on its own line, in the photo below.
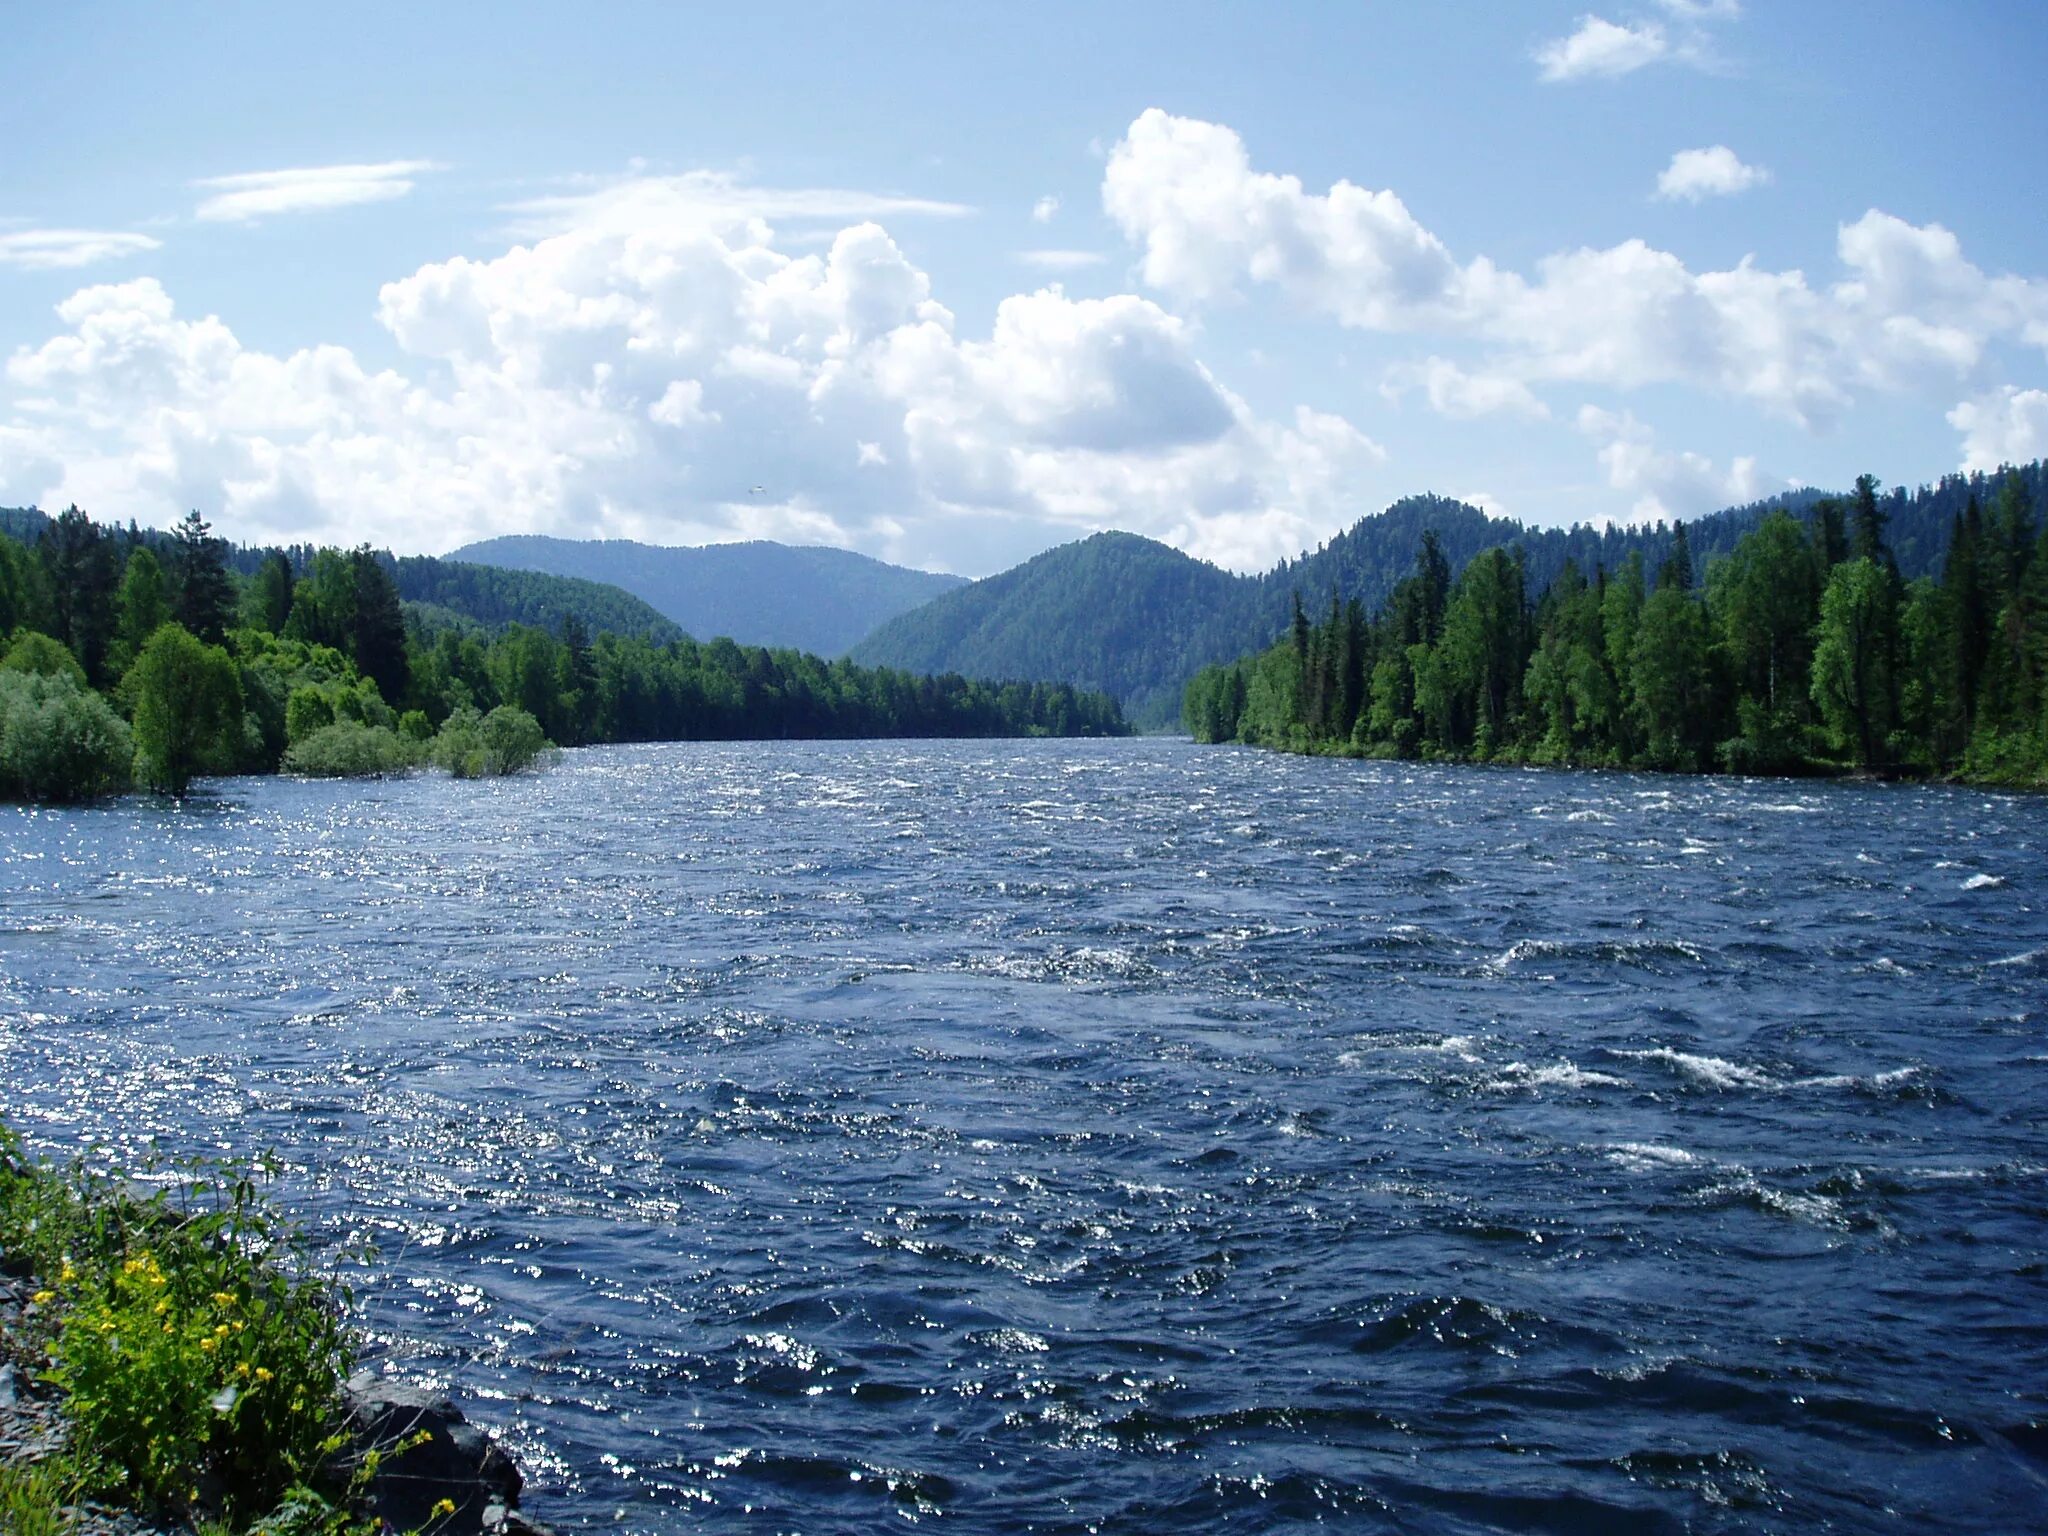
point(134, 658)
point(1800, 651)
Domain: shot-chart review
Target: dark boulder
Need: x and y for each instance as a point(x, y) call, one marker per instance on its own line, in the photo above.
point(455, 1461)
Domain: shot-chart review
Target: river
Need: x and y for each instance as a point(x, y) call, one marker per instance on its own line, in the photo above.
point(1120, 1136)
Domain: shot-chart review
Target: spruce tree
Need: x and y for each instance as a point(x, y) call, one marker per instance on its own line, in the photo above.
point(203, 594)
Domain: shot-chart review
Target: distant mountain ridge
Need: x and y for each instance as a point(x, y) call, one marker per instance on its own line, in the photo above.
point(438, 593)
point(1137, 618)
point(808, 597)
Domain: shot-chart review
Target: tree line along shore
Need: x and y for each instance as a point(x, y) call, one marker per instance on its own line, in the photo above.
point(135, 658)
point(1802, 651)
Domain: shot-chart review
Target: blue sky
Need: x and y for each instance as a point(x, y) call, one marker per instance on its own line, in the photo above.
point(950, 285)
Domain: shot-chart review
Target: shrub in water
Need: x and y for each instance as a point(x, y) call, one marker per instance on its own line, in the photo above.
point(349, 750)
point(507, 740)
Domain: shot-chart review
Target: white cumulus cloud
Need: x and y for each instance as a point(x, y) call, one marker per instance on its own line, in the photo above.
point(1909, 307)
point(1695, 174)
point(1455, 392)
point(1043, 210)
point(1601, 47)
point(2007, 427)
point(1666, 484)
point(251, 195)
point(677, 379)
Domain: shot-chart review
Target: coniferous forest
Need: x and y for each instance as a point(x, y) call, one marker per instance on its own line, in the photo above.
point(1800, 650)
point(133, 657)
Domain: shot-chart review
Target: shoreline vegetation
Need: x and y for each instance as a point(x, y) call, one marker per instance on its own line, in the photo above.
point(1802, 653)
point(175, 1360)
point(135, 658)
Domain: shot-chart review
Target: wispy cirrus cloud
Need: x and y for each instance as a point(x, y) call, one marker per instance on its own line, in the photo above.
point(716, 199)
point(1061, 261)
point(252, 195)
point(46, 249)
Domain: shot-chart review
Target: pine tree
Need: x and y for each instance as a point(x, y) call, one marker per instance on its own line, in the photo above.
point(203, 594)
point(79, 562)
point(1676, 571)
point(377, 634)
point(1867, 520)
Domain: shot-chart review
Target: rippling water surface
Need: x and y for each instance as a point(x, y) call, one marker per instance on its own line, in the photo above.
point(1120, 1136)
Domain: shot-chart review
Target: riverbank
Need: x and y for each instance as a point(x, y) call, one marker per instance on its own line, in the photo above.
point(2024, 779)
point(172, 1362)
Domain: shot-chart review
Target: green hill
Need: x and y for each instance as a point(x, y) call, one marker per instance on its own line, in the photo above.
point(809, 598)
point(1137, 619)
point(434, 589)
point(1126, 613)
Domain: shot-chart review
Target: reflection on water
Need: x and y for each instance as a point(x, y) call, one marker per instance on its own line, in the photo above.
point(1051, 1136)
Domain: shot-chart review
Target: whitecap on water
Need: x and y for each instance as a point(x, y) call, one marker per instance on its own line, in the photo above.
point(1519, 1076)
point(1642, 1155)
point(1707, 1071)
point(1983, 882)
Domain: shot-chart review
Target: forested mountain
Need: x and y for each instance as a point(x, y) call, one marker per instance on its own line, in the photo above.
point(23, 523)
point(1141, 621)
point(438, 592)
point(494, 598)
point(131, 656)
point(815, 599)
point(1124, 614)
point(1808, 648)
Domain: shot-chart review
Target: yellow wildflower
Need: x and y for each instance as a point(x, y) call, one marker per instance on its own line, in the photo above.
point(223, 1299)
point(208, 1344)
point(444, 1508)
point(44, 1298)
point(264, 1373)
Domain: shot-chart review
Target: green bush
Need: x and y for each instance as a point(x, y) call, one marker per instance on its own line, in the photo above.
point(188, 709)
point(59, 741)
point(200, 1355)
point(349, 750)
point(37, 654)
point(306, 711)
point(505, 741)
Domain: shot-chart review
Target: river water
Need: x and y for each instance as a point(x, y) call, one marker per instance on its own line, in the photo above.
point(1125, 1136)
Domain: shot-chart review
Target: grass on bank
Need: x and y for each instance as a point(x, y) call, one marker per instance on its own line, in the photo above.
point(198, 1352)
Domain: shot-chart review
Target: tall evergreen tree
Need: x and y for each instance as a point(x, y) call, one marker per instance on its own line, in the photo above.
point(377, 634)
point(202, 593)
point(1967, 598)
point(1677, 571)
point(79, 563)
point(1866, 522)
point(269, 605)
point(1830, 536)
